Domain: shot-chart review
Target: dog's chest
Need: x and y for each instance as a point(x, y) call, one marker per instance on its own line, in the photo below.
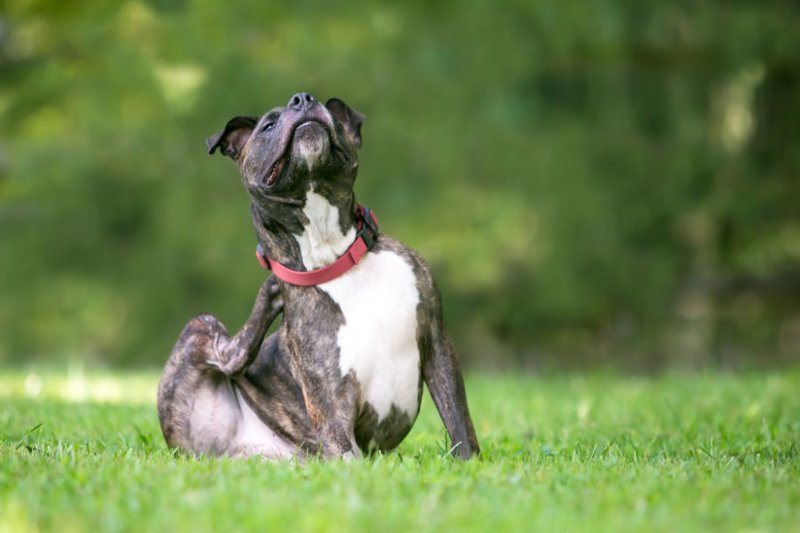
point(378, 339)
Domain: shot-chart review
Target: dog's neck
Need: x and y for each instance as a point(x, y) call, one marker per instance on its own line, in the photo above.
point(308, 237)
point(323, 239)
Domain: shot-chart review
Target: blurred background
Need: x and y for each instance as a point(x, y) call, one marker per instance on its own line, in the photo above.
point(596, 184)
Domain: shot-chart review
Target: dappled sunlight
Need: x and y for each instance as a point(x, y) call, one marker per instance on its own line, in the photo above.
point(180, 84)
point(78, 385)
point(734, 103)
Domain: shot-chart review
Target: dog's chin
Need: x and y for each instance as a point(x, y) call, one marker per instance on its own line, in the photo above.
point(310, 144)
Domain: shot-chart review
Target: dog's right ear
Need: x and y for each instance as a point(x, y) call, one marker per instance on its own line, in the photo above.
point(232, 139)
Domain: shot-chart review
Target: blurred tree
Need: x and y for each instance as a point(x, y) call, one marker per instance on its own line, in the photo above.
point(613, 183)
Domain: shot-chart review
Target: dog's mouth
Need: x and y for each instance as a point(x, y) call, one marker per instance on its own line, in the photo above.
point(277, 168)
point(275, 171)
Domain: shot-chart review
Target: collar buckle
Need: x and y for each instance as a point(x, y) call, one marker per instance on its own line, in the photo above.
point(368, 225)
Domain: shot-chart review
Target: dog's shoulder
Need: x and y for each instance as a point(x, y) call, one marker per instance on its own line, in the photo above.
point(422, 271)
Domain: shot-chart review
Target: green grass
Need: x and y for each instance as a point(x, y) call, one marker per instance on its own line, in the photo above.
point(594, 453)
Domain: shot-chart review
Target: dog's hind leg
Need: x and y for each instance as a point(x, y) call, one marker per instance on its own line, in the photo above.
point(232, 355)
point(196, 390)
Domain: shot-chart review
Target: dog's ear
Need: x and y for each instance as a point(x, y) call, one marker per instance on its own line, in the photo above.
point(348, 117)
point(232, 139)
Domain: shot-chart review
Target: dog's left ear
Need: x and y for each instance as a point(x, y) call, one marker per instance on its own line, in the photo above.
point(232, 139)
point(348, 117)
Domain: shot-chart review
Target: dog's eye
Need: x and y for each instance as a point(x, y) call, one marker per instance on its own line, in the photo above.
point(267, 126)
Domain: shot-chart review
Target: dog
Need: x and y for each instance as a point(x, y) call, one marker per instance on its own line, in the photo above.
point(362, 317)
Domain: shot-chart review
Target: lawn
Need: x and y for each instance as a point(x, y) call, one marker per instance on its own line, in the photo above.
point(561, 453)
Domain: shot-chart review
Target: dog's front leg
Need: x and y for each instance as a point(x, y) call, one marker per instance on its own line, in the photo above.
point(445, 382)
point(232, 355)
point(332, 410)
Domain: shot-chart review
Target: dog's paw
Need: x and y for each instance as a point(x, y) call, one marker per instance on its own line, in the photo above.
point(276, 304)
point(349, 456)
point(275, 298)
point(272, 286)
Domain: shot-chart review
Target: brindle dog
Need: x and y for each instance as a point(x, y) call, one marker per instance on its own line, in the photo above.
point(343, 374)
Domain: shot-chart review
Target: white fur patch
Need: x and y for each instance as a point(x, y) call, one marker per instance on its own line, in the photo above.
point(378, 340)
point(255, 438)
point(322, 241)
point(310, 152)
point(310, 149)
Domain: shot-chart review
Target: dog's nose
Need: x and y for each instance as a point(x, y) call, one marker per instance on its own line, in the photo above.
point(301, 101)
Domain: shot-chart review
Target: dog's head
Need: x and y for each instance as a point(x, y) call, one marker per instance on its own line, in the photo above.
point(291, 149)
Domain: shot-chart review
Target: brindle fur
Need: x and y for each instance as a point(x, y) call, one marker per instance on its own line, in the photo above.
point(292, 379)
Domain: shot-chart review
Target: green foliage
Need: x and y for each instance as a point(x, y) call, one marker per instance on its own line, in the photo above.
point(587, 180)
point(594, 453)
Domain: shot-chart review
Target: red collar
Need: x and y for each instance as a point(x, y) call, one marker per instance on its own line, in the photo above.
point(365, 240)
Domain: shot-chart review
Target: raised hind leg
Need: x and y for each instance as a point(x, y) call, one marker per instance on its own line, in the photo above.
point(198, 407)
point(232, 355)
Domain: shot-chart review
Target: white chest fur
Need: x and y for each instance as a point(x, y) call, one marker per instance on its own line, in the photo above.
point(378, 340)
point(322, 241)
point(378, 298)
